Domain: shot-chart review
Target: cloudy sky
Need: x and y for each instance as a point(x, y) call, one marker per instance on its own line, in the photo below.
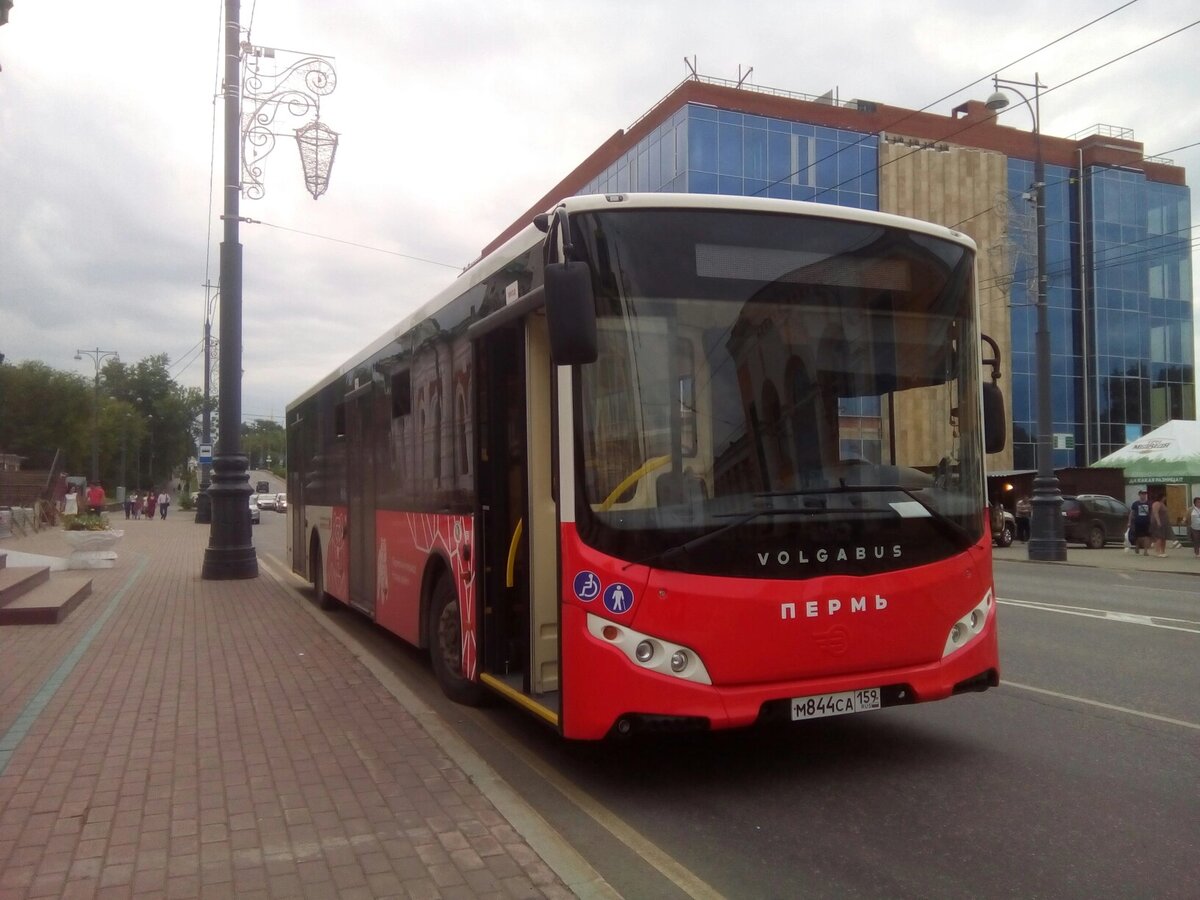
point(454, 118)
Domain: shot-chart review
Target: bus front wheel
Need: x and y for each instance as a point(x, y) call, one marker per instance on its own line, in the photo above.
point(445, 646)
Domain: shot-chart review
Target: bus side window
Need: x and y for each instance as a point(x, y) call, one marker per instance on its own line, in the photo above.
point(401, 394)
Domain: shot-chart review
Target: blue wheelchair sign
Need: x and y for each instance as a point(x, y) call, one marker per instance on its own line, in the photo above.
point(587, 586)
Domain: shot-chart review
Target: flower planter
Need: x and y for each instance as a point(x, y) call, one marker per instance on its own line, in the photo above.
point(92, 549)
point(93, 540)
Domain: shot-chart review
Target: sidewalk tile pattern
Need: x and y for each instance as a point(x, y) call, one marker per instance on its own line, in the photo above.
point(214, 740)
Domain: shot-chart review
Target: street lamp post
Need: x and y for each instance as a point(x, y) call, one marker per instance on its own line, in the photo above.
point(1046, 541)
point(124, 444)
point(203, 501)
point(296, 90)
point(98, 356)
point(230, 552)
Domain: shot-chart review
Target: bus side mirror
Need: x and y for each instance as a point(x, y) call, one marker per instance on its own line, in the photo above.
point(994, 419)
point(571, 313)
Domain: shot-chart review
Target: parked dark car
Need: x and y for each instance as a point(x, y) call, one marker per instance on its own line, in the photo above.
point(1094, 520)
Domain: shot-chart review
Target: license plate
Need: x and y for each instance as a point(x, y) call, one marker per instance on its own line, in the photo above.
point(838, 704)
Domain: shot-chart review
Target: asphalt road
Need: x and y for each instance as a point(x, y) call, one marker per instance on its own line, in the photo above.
point(1076, 778)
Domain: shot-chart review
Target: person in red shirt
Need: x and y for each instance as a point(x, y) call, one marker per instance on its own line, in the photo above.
point(95, 498)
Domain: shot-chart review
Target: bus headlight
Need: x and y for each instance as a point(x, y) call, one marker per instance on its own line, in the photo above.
point(969, 626)
point(648, 652)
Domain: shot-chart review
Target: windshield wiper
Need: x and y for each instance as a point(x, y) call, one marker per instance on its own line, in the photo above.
point(700, 540)
point(955, 530)
point(842, 488)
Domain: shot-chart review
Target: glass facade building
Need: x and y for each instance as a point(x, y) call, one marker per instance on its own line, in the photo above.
point(702, 150)
point(1119, 290)
point(1120, 309)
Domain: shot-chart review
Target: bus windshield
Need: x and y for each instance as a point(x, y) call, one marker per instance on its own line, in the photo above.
point(777, 395)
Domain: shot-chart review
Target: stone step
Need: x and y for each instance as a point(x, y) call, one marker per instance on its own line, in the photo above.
point(18, 581)
point(49, 604)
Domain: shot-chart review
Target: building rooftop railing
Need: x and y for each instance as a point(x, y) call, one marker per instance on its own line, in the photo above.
point(1111, 131)
point(828, 99)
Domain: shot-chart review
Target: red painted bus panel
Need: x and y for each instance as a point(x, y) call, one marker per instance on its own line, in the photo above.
point(789, 638)
point(404, 542)
point(337, 557)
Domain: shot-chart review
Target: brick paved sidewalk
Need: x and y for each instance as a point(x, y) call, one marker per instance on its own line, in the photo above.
point(181, 738)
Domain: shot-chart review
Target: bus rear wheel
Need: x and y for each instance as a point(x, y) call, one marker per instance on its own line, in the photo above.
point(324, 600)
point(445, 646)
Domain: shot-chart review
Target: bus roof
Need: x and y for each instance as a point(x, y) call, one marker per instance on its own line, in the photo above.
point(530, 235)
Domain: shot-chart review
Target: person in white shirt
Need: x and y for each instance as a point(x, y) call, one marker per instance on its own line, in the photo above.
point(164, 500)
point(1194, 526)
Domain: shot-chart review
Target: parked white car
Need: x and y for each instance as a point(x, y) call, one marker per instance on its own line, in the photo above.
point(266, 501)
point(281, 502)
point(255, 515)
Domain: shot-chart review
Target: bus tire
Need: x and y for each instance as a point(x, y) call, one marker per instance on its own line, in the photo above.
point(445, 645)
point(324, 600)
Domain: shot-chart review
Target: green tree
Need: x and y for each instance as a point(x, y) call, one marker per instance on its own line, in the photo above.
point(42, 411)
point(261, 440)
point(165, 433)
point(146, 422)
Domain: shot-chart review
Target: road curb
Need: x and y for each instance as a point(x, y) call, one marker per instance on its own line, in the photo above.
point(565, 861)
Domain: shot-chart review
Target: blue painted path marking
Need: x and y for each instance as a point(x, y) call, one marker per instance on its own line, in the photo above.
point(17, 731)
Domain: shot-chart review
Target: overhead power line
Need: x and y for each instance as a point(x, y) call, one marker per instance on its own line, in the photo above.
point(908, 115)
point(325, 237)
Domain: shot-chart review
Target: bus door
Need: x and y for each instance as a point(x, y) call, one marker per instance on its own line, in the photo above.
point(520, 621)
point(360, 496)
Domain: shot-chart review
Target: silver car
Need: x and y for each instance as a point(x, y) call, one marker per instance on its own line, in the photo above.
point(255, 515)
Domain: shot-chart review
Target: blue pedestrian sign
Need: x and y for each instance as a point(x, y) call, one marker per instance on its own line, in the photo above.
point(205, 455)
point(618, 598)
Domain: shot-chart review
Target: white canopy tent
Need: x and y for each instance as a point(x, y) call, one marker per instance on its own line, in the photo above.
point(1170, 454)
point(1167, 456)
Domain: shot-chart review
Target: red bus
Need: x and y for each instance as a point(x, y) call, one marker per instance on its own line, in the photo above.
point(670, 462)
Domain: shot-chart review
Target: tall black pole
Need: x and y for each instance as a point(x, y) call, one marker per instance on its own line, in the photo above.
point(203, 501)
point(97, 356)
point(96, 425)
point(230, 553)
point(1046, 540)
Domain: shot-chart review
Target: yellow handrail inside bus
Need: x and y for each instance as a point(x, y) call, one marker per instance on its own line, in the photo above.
point(647, 467)
point(512, 552)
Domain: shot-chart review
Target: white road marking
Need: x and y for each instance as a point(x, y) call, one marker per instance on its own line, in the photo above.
point(1109, 706)
point(1090, 613)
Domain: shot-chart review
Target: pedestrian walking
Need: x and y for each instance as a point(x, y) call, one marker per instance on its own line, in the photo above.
point(151, 503)
point(1139, 524)
point(1160, 525)
point(95, 498)
point(128, 504)
point(137, 505)
point(1194, 526)
point(1023, 515)
point(164, 500)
